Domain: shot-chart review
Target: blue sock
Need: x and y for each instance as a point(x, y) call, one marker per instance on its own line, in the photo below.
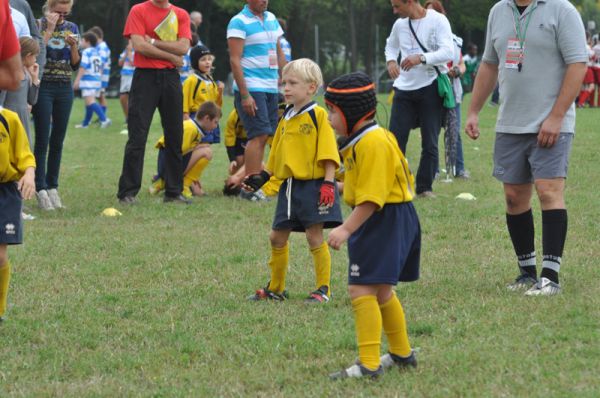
point(98, 109)
point(89, 112)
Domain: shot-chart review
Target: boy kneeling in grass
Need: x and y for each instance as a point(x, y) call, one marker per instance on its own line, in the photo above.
point(383, 230)
point(196, 153)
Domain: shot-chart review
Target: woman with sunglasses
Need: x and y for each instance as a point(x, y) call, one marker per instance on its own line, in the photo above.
point(52, 111)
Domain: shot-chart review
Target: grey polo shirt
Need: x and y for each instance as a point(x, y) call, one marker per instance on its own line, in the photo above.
point(554, 39)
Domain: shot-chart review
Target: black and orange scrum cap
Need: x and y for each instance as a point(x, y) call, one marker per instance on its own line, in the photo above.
point(354, 96)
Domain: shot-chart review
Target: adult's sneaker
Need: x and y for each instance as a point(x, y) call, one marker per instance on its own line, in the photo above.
point(319, 296)
point(389, 360)
point(544, 287)
point(82, 126)
point(55, 199)
point(522, 282)
point(357, 371)
point(44, 201)
point(266, 294)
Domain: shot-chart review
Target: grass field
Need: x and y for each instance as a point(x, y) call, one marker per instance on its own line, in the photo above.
point(153, 303)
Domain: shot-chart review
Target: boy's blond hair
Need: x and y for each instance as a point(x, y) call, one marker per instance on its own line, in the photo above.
point(306, 69)
point(209, 109)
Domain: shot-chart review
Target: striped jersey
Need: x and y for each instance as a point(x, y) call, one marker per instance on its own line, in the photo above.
point(186, 68)
point(91, 63)
point(259, 57)
point(286, 47)
point(127, 68)
point(105, 54)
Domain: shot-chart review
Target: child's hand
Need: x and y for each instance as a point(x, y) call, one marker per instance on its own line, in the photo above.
point(220, 86)
point(337, 237)
point(254, 182)
point(26, 184)
point(327, 197)
point(34, 72)
point(232, 167)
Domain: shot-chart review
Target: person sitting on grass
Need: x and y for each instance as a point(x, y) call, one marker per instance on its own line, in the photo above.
point(305, 155)
point(17, 182)
point(383, 230)
point(89, 80)
point(196, 152)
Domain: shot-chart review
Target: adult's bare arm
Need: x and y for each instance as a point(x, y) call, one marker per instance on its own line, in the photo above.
point(179, 47)
point(11, 73)
point(141, 46)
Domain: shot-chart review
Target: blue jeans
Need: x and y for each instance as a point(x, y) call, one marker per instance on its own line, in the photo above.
point(50, 117)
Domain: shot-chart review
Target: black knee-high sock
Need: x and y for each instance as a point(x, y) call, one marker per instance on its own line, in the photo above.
point(554, 234)
point(522, 234)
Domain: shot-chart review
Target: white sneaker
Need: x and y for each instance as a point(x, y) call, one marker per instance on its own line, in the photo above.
point(27, 217)
point(545, 287)
point(105, 123)
point(82, 126)
point(55, 199)
point(44, 201)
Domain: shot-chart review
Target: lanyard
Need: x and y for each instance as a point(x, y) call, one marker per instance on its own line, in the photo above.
point(521, 35)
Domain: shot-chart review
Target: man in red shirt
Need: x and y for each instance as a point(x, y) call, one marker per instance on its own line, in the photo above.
point(161, 35)
point(11, 72)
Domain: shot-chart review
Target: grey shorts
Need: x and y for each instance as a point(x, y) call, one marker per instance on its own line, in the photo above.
point(519, 160)
point(125, 84)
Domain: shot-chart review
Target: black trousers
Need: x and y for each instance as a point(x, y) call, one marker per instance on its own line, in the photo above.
point(419, 108)
point(151, 89)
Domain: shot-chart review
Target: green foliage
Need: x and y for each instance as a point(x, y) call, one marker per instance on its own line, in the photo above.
point(152, 303)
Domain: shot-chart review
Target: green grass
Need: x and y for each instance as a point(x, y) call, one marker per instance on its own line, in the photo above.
point(153, 303)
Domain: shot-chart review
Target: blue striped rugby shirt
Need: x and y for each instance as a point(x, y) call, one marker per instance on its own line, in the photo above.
point(260, 37)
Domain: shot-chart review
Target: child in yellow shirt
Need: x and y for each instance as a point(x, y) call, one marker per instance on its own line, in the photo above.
point(17, 182)
point(200, 87)
point(383, 230)
point(196, 152)
point(304, 154)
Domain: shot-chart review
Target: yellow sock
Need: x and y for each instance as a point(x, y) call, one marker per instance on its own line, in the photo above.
point(322, 263)
point(394, 326)
point(271, 188)
point(278, 265)
point(4, 281)
point(367, 318)
point(194, 173)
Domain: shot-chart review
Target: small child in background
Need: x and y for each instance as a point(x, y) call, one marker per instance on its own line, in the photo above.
point(89, 80)
point(127, 69)
point(383, 230)
point(104, 52)
point(235, 142)
point(185, 69)
point(17, 182)
point(196, 154)
point(304, 154)
point(200, 87)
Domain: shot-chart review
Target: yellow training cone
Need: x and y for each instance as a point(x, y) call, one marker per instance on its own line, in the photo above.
point(111, 212)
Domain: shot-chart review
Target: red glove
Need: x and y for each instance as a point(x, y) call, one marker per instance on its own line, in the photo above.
point(327, 194)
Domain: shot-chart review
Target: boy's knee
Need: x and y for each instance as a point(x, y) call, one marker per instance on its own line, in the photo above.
point(277, 239)
point(208, 154)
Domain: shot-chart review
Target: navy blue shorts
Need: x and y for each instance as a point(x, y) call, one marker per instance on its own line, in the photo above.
point(386, 248)
point(11, 225)
point(161, 165)
point(265, 121)
point(298, 207)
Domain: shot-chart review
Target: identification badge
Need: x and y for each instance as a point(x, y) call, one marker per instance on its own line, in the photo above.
point(514, 55)
point(273, 64)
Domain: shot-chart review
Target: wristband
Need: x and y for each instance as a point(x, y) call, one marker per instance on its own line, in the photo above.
point(152, 41)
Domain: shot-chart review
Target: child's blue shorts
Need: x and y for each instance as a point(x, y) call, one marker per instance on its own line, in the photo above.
point(386, 248)
point(11, 225)
point(298, 206)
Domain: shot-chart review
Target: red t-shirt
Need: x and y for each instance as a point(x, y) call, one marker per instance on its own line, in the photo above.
point(9, 43)
point(143, 19)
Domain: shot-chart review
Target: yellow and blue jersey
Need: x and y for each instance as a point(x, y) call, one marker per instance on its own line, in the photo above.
point(375, 169)
point(15, 153)
point(302, 142)
point(234, 129)
point(192, 136)
point(198, 89)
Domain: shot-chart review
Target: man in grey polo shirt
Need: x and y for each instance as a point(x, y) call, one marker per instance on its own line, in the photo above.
point(536, 49)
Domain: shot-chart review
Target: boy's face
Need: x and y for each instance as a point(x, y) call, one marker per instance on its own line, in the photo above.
point(209, 124)
point(296, 91)
point(336, 119)
point(205, 63)
point(85, 44)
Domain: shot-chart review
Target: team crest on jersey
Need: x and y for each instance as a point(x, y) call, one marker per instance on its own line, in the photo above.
point(305, 128)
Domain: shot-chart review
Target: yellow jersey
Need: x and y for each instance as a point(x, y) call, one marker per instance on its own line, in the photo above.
point(15, 154)
point(198, 89)
point(192, 135)
point(234, 130)
point(376, 169)
point(302, 141)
